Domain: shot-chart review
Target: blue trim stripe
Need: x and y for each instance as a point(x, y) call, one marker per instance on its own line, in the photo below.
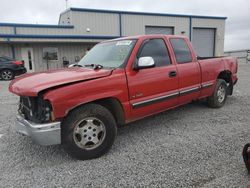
point(120, 24)
point(142, 13)
point(13, 52)
point(190, 29)
point(14, 29)
point(57, 36)
point(37, 25)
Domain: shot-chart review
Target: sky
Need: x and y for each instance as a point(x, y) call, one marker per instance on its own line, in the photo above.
point(237, 34)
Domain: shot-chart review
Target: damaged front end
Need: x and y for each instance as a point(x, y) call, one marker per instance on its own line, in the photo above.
point(35, 109)
point(35, 119)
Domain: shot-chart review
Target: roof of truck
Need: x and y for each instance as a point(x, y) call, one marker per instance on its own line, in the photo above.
point(148, 36)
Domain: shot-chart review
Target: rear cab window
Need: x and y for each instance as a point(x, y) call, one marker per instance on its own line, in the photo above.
point(181, 50)
point(157, 49)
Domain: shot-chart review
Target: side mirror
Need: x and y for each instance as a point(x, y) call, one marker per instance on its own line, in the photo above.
point(248, 57)
point(72, 65)
point(145, 62)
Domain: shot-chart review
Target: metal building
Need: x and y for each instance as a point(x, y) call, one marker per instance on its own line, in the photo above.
point(45, 47)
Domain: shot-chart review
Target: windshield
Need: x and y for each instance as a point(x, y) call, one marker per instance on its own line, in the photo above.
point(109, 54)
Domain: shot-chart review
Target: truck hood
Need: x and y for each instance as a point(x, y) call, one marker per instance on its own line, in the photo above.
point(32, 84)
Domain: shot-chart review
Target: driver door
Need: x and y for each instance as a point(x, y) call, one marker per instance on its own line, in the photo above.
point(155, 89)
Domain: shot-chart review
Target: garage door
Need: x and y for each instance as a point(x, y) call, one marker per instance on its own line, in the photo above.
point(204, 41)
point(159, 30)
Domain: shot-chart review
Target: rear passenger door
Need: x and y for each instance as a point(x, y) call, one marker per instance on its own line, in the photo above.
point(188, 71)
point(153, 89)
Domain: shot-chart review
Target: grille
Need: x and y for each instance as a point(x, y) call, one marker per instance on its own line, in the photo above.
point(35, 109)
point(25, 107)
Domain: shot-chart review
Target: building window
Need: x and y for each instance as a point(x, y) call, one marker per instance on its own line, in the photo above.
point(50, 53)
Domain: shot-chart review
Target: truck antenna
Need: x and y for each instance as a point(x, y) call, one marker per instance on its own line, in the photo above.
point(66, 2)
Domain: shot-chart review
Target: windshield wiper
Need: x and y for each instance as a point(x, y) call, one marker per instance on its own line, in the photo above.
point(77, 65)
point(95, 66)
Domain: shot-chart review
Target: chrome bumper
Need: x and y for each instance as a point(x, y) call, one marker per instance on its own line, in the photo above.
point(42, 134)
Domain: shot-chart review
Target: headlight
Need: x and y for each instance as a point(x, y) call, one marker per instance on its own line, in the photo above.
point(36, 109)
point(44, 110)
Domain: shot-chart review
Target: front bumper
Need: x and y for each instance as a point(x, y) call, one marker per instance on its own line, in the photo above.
point(42, 134)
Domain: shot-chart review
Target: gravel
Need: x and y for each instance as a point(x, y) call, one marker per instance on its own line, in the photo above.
point(191, 146)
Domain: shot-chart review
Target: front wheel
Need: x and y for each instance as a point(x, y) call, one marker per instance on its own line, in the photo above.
point(218, 98)
point(88, 132)
point(7, 74)
point(246, 156)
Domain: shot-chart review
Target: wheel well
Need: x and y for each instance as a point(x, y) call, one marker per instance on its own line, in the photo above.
point(226, 75)
point(115, 107)
point(6, 69)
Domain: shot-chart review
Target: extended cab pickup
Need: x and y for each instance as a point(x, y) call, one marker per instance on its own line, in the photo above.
point(117, 82)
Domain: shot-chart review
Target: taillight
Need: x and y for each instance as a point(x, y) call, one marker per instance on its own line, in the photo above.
point(18, 62)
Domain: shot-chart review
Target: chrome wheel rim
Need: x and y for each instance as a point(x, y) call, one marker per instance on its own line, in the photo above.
point(89, 133)
point(7, 75)
point(221, 94)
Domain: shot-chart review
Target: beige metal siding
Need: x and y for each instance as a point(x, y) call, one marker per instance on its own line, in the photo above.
point(70, 51)
point(64, 50)
point(98, 23)
point(65, 18)
point(219, 25)
point(159, 30)
point(44, 31)
point(135, 24)
point(5, 50)
point(6, 30)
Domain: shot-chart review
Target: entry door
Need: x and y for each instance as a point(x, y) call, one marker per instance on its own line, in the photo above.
point(28, 58)
point(153, 89)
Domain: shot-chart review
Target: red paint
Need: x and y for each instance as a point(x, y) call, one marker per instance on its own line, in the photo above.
point(31, 84)
point(18, 62)
point(69, 88)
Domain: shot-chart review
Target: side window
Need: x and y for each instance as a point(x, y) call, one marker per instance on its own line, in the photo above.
point(156, 49)
point(181, 50)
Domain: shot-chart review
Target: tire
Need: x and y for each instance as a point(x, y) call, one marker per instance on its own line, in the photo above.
point(88, 132)
point(218, 98)
point(246, 156)
point(7, 74)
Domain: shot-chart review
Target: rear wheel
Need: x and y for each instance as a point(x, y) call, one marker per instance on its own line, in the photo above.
point(219, 96)
point(88, 132)
point(7, 74)
point(246, 156)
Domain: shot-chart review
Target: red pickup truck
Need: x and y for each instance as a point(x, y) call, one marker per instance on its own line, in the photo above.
point(117, 82)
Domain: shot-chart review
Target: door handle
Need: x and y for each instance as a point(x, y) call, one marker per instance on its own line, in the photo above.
point(172, 74)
